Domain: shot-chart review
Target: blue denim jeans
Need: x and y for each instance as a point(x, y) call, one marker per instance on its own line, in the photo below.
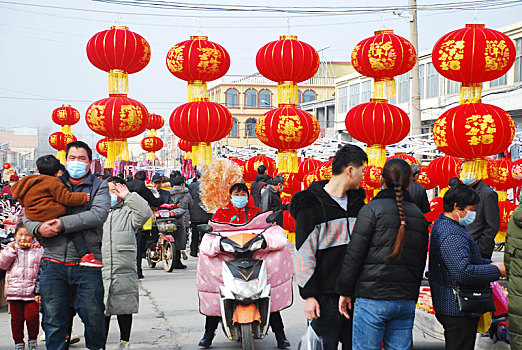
point(62, 286)
point(333, 327)
point(378, 321)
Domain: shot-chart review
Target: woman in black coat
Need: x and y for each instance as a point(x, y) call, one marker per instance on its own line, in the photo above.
point(384, 263)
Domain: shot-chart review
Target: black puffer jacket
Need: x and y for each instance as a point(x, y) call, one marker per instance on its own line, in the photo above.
point(366, 271)
point(255, 190)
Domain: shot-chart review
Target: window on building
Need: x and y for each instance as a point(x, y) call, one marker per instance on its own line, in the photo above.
point(518, 61)
point(366, 91)
point(452, 87)
point(299, 96)
point(265, 97)
point(354, 95)
point(250, 127)
point(432, 81)
point(343, 99)
point(309, 95)
point(421, 80)
point(231, 98)
point(330, 116)
point(251, 98)
point(403, 88)
point(499, 81)
point(319, 112)
point(233, 132)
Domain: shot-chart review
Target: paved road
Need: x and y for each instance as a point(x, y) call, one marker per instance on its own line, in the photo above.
point(169, 318)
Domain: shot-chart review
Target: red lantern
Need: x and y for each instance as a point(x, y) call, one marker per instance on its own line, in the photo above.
point(425, 180)
point(471, 56)
point(151, 144)
point(117, 118)
point(474, 131)
point(500, 176)
point(184, 145)
point(58, 140)
point(324, 172)
point(382, 57)
point(156, 122)
point(308, 165)
point(253, 163)
point(201, 123)
point(506, 212)
point(66, 116)
point(288, 221)
point(377, 123)
point(101, 147)
point(7, 166)
point(442, 169)
point(373, 177)
point(119, 52)
point(292, 185)
point(409, 159)
point(287, 129)
point(309, 178)
point(516, 172)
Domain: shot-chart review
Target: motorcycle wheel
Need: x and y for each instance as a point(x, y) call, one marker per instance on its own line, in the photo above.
point(247, 337)
point(168, 257)
point(148, 255)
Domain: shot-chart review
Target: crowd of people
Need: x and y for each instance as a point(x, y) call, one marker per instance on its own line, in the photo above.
point(358, 264)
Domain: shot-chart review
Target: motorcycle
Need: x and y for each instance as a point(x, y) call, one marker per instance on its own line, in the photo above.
point(163, 248)
point(245, 293)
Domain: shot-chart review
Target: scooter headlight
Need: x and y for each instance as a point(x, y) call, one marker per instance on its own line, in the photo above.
point(227, 247)
point(246, 289)
point(257, 245)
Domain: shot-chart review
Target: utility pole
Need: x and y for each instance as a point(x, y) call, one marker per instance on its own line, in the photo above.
point(415, 90)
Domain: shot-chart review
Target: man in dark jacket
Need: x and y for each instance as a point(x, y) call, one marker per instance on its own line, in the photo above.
point(198, 215)
point(325, 214)
point(417, 191)
point(487, 220)
point(255, 189)
point(164, 195)
point(271, 198)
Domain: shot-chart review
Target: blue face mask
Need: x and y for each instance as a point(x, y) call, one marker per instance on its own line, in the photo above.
point(114, 200)
point(239, 201)
point(76, 169)
point(468, 219)
point(469, 181)
point(281, 189)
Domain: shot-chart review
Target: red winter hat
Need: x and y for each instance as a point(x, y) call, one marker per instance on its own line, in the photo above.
point(14, 177)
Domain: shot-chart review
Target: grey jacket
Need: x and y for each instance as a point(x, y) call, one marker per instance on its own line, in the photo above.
point(180, 195)
point(197, 213)
point(487, 221)
point(88, 219)
point(271, 201)
point(120, 278)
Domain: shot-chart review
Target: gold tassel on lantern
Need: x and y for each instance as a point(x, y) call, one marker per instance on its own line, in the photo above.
point(287, 94)
point(474, 168)
point(151, 156)
point(66, 129)
point(61, 156)
point(201, 153)
point(197, 91)
point(376, 155)
point(288, 162)
point(116, 150)
point(118, 82)
point(470, 93)
point(384, 88)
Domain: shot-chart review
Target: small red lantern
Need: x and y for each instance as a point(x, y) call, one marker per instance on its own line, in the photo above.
point(424, 179)
point(309, 178)
point(373, 177)
point(185, 146)
point(377, 123)
point(516, 172)
point(253, 163)
point(500, 176)
point(151, 144)
point(409, 159)
point(65, 116)
point(292, 185)
point(382, 57)
point(324, 172)
point(306, 166)
point(473, 55)
point(506, 212)
point(442, 169)
point(287, 129)
point(101, 147)
point(7, 166)
point(201, 123)
point(117, 118)
point(58, 140)
point(474, 131)
point(156, 122)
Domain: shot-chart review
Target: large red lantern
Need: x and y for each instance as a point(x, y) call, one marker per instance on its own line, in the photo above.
point(377, 123)
point(442, 169)
point(287, 129)
point(292, 185)
point(306, 166)
point(65, 116)
point(253, 163)
point(151, 144)
point(382, 57)
point(117, 118)
point(201, 123)
point(406, 157)
point(101, 147)
point(473, 55)
point(474, 131)
point(58, 140)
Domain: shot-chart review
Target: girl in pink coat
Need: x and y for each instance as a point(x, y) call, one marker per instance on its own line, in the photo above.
point(21, 260)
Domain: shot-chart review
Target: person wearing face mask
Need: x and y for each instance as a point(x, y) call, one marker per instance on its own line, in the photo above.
point(61, 273)
point(455, 262)
point(271, 198)
point(487, 221)
point(129, 211)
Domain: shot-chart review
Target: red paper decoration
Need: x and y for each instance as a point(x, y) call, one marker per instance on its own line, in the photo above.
point(506, 212)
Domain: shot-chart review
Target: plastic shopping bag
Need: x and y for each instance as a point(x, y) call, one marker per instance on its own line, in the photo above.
point(310, 341)
point(500, 298)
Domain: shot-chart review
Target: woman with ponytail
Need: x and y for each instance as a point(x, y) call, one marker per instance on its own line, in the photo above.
point(383, 266)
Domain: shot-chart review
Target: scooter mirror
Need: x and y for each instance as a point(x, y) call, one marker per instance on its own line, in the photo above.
point(205, 228)
point(274, 216)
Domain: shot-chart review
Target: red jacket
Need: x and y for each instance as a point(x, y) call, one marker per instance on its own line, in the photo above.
point(233, 215)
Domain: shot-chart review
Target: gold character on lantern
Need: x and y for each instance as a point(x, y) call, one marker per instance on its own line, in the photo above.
point(130, 116)
point(496, 55)
point(290, 128)
point(62, 114)
point(481, 129)
point(146, 51)
point(95, 117)
point(175, 58)
point(439, 132)
point(451, 53)
point(382, 55)
point(210, 59)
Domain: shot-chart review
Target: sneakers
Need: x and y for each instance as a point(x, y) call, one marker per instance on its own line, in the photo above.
point(124, 345)
point(20, 346)
point(88, 260)
point(33, 345)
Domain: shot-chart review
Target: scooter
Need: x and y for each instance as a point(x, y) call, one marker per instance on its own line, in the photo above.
point(245, 293)
point(163, 249)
